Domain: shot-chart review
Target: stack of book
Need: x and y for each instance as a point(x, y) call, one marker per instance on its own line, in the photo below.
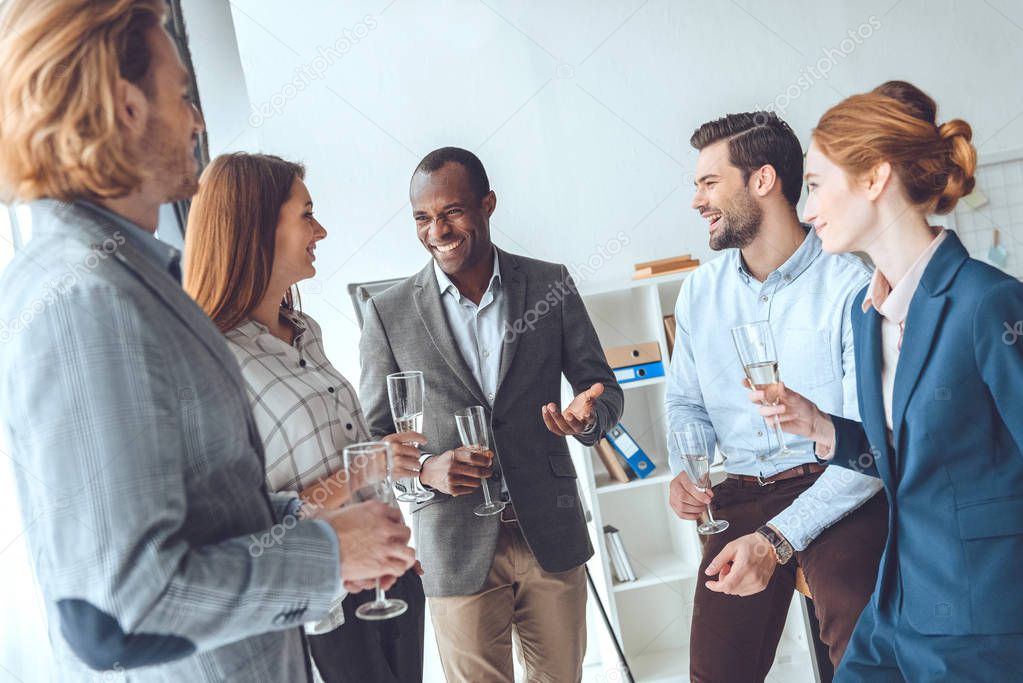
point(665, 266)
point(620, 565)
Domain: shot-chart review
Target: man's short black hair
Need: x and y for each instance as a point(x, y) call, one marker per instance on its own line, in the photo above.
point(756, 139)
point(469, 161)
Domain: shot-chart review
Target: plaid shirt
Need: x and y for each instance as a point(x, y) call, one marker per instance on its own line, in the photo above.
point(306, 412)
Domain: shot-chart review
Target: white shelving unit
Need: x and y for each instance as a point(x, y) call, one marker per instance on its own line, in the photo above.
point(651, 615)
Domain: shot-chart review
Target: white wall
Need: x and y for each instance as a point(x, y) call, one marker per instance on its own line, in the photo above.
point(580, 110)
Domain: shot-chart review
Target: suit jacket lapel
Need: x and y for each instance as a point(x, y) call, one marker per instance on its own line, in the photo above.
point(513, 280)
point(431, 311)
point(868, 350)
point(921, 329)
point(923, 323)
point(164, 287)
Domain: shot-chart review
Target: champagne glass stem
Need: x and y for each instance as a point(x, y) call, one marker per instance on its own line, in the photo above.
point(779, 434)
point(380, 592)
point(486, 493)
point(710, 515)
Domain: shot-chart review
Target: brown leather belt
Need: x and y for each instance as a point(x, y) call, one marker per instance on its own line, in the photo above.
point(798, 471)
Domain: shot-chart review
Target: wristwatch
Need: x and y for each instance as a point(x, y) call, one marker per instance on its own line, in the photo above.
point(782, 547)
point(422, 461)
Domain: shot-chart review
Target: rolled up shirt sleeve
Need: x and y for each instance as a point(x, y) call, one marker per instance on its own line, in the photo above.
point(834, 495)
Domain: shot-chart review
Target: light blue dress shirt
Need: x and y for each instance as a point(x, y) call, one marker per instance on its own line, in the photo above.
point(807, 301)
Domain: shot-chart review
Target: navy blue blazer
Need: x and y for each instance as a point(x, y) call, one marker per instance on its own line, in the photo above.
point(954, 477)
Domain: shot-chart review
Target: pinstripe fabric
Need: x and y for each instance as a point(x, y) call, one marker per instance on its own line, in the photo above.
point(140, 472)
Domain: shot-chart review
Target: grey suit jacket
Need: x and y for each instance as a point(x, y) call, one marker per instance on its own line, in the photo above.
point(548, 333)
point(140, 473)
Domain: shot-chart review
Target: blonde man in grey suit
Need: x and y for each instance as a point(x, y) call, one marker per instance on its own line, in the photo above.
point(118, 394)
point(493, 329)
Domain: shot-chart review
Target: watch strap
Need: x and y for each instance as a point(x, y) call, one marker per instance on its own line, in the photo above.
point(782, 547)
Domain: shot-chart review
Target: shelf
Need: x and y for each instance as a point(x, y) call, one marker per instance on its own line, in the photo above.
point(640, 383)
point(608, 286)
point(605, 485)
point(657, 569)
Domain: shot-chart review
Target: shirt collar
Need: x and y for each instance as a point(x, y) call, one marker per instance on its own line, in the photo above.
point(893, 303)
point(794, 266)
point(252, 329)
point(444, 283)
point(159, 253)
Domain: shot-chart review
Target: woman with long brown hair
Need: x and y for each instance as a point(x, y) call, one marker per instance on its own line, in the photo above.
point(251, 237)
point(939, 384)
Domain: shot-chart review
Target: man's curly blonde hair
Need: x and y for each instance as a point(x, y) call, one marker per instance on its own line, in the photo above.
point(60, 62)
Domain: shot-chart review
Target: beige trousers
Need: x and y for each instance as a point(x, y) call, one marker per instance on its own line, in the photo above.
point(544, 612)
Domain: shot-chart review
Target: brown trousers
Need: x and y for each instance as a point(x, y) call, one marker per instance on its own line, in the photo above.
point(734, 639)
point(547, 611)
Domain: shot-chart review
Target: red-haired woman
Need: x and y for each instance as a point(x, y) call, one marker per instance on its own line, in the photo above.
point(939, 391)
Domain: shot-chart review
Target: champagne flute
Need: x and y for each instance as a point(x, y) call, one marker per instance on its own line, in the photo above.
point(757, 352)
point(472, 428)
point(368, 466)
point(692, 446)
point(407, 394)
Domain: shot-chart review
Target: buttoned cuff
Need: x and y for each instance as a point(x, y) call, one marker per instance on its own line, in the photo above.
point(790, 529)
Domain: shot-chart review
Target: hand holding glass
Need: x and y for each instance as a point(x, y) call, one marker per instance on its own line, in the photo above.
point(368, 466)
point(407, 394)
point(692, 446)
point(472, 429)
point(759, 357)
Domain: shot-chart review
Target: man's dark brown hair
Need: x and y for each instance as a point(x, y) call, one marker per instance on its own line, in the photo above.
point(757, 139)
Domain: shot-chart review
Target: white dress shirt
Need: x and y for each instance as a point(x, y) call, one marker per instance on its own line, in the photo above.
point(478, 330)
point(893, 305)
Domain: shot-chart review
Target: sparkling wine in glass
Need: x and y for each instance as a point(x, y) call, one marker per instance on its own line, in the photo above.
point(407, 394)
point(691, 442)
point(368, 467)
point(472, 429)
point(759, 357)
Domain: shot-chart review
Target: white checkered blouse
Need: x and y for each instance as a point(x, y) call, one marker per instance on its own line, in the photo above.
point(305, 410)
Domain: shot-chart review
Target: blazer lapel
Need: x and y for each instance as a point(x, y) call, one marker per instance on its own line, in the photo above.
point(923, 323)
point(921, 329)
point(164, 287)
point(431, 311)
point(513, 280)
point(868, 349)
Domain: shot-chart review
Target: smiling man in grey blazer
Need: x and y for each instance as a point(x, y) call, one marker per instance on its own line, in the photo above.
point(498, 330)
point(140, 473)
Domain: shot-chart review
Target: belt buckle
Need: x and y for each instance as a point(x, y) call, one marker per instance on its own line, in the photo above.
point(510, 510)
point(762, 481)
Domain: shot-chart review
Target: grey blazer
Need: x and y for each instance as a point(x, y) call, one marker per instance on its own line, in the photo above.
point(140, 472)
point(548, 333)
